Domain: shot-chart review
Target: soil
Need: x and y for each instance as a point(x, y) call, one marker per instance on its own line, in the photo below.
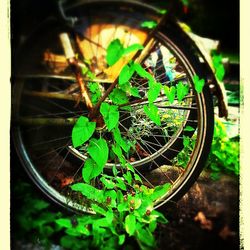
point(207, 217)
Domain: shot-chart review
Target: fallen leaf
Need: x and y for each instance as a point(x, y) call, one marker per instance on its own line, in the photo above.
point(204, 222)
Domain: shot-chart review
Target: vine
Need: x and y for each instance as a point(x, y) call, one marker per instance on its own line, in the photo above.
point(122, 204)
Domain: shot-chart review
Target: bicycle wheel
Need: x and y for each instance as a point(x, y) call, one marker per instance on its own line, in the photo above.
point(46, 104)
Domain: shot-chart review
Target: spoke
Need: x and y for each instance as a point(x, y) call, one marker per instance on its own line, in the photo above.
point(50, 141)
point(140, 159)
point(57, 154)
point(54, 150)
point(46, 121)
point(58, 168)
point(54, 95)
point(158, 166)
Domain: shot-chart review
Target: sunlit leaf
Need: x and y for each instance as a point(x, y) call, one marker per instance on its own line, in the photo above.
point(98, 209)
point(142, 72)
point(128, 177)
point(90, 170)
point(218, 65)
point(182, 90)
point(152, 112)
point(160, 217)
point(132, 48)
point(189, 129)
point(124, 144)
point(159, 191)
point(154, 91)
point(99, 151)
point(89, 191)
point(198, 84)
point(130, 224)
point(114, 52)
point(120, 184)
point(112, 195)
point(64, 222)
point(125, 74)
point(149, 24)
point(110, 115)
point(186, 141)
point(118, 96)
point(107, 183)
point(121, 240)
point(82, 131)
point(170, 93)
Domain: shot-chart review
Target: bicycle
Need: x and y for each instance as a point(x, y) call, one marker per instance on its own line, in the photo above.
point(50, 92)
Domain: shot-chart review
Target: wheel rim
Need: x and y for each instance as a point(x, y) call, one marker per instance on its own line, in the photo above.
point(62, 197)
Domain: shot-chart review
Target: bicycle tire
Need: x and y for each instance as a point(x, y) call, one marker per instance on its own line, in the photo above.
point(183, 51)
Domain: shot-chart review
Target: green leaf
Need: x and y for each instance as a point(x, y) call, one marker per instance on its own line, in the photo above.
point(64, 223)
point(149, 24)
point(110, 115)
point(170, 93)
point(159, 191)
point(218, 65)
point(152, 112)
point(160, 217)
point(125, 74)
point(130, 167)
point(90, 170)
point(95, 91)
point(121, 240)
point(82, 131)
point(137, 178)
point(118, 96)
point(130, 224)
point(120, 141)
point(186, 141)
point(134, 92)
point(114, 170)
point(90, 192)
point(107, 183)
point(132, 48)
point(152, 226)
point(142, 72)
point(162, 11)
point(146, 237)
point(99, 151)
point(123, 207)
point(182, 91)
point(189, 129)
point(114, 52)
point(220, 72)
point(117, 150)
point(198, 84)
point(112, 194)
point(40, 204)
point(98, 209)
point(154, 91)
point(120, 184)
point(128, 177)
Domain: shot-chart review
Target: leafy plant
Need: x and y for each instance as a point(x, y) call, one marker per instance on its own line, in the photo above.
point(33, 219)
point(123, 206)
point(118, 216)
point(224, 155)
point(218, 65)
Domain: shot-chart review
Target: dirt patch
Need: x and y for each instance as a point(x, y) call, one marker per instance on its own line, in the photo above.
point(207, 217)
